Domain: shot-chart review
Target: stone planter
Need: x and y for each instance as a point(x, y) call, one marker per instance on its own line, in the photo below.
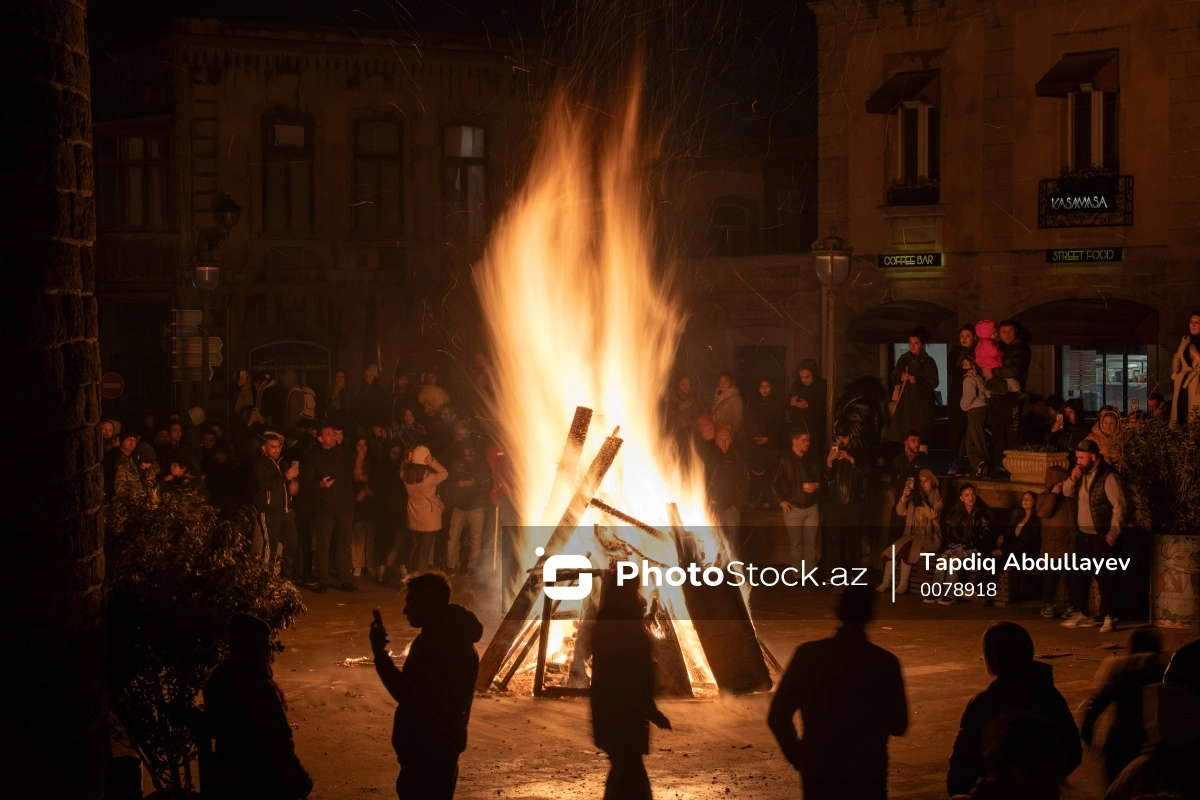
point(1029, 466)
point(1175, 587)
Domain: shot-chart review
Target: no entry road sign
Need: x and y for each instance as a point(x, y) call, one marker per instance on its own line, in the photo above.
point(112, 385)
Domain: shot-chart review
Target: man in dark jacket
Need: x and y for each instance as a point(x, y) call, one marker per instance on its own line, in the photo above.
point(796, 486)
point(845, 505)
point(327, 477)
point(1006, 384)
point(470, 482)
point(850, 695)
point(1021, 685)
point(274, 487)
point(433, 691)
point(372, 405)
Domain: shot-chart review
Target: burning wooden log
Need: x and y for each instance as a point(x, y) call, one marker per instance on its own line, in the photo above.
point(518, 612)
point(568, 465)
point(738, 660)
point(633, 522)
point(672, 679)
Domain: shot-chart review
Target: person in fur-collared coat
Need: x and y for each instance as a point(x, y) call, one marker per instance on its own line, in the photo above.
point(1185, 372)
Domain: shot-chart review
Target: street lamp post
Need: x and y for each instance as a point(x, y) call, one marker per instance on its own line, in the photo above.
point(206, 274)
point(205, 277)
point(831, 260)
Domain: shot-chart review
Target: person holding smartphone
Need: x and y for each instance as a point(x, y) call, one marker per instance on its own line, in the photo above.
point(327, 477)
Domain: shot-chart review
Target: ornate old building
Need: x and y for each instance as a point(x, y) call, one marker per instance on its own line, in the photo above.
point(356, 173)
point(1012, 158)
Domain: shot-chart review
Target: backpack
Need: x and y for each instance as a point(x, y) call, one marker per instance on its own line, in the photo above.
point(309, 409)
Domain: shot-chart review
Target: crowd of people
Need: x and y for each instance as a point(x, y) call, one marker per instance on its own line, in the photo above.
point(404, 486)
point(1017, 738)
point(355, 483)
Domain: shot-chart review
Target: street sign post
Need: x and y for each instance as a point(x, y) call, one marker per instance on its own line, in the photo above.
point(112, 386)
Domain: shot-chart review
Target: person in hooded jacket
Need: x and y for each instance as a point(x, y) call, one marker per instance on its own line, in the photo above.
point(1021, 685)
point(433, 690)
point(245, 718)
point(860, 411)
point(1065, 434)
point(1105, 434)
point(765, 421)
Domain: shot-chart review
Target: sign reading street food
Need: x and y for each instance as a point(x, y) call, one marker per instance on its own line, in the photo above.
point(1088, 255)
point(910, 259)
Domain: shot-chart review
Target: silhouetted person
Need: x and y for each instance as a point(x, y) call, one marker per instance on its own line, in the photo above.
point(1022, 755)
point(433, 691)
point(1021, 685)
point(622, 694)
point(1172, 715)
point(245, 715)
point(850, 696)
point(1120, 682)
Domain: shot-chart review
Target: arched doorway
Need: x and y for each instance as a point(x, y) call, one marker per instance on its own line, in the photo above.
point(312, 362)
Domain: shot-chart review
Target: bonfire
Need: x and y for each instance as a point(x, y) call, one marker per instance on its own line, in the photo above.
point(585, 330)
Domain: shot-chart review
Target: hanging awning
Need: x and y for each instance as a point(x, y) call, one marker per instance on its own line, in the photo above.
point(904, 87)
point(1100, 68)
point(1091, 323)
point(893, 322)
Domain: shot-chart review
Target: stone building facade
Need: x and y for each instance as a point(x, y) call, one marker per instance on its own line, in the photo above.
point(367, 168)
point(981, 157)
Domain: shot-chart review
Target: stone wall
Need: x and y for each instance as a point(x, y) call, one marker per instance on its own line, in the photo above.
point(52, 598)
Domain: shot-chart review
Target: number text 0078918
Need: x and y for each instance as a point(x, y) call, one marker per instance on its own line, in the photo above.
point(954, 589)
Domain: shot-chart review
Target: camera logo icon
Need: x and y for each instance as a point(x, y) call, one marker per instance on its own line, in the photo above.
point(550, 572)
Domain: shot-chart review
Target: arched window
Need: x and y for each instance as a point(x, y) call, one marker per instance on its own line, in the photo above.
point(378, 188)
point(287, 174)
point(729, 230)
point(464, 179)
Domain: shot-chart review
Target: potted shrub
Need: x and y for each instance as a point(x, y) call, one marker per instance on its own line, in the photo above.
point(1028, 463)
point(1160, 471)
point(176, 575)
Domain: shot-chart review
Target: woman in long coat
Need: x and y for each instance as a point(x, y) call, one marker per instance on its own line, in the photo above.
point(918, 374)
point(1185, 372)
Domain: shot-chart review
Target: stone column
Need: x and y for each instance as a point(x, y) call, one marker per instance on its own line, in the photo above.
point(52, 655)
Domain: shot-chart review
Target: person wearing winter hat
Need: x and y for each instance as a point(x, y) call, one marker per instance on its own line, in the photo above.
point(1099, 516)
point(421, 476)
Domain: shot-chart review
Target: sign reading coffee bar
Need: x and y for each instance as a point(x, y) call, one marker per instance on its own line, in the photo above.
point(910, 259)
point(1090, 255)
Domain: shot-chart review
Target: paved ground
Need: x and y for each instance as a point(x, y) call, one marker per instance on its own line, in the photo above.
point(525, 748)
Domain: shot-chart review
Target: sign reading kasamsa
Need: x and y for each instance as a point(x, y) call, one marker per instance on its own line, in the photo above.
point(1096, 202)
point(1090, 201)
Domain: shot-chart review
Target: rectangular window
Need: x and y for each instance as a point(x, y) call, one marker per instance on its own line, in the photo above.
point(131, 182)
point(464, 179)
point(919, 142)
point(287, 176)
point(1092, 128)
point(1103, 376)
point(377, 178)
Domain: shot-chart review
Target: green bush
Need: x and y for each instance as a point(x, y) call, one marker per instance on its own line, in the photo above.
point(1037, 448)
point(176, 576)
point(1160, 469)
